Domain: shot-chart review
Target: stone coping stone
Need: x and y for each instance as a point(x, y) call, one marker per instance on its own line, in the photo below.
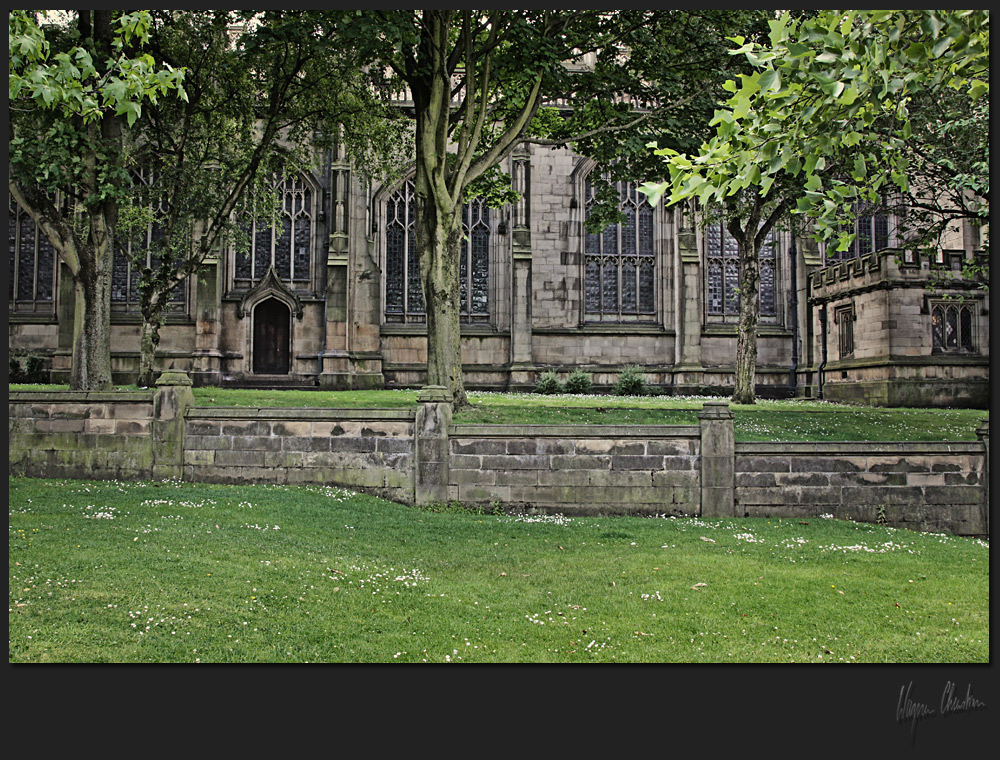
point(76, 397)
point(850, 448)
point(574, 431)
point(298, 413)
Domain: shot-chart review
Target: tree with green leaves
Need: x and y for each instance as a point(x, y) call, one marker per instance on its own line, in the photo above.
point(829, 106)
point(78, 81)
point(269, 91)
point(482, 82)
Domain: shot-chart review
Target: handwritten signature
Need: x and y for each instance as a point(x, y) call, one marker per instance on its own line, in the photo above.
point(909, 710)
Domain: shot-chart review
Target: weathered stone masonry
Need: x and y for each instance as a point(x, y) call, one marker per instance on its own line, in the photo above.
point(423, 457)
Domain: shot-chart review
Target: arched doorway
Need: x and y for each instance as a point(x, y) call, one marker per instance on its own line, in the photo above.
point(271, 334)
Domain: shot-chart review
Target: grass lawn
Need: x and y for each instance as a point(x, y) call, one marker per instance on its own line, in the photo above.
point(787, 420)
point(184, 572)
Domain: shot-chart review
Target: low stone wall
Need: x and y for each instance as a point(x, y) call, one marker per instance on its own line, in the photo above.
point(100, 435)
point(921, 486)
point(597, 469)
point(422, 457)
point(367, 449)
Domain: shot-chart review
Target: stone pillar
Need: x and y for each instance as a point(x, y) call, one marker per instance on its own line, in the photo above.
point(172, 398)
point(207, 354)
point(520, 287)
point(62, 357)
point(689, 372)
point(983, 434)
point(431, 449)
point(718, 460)
point(335, 364)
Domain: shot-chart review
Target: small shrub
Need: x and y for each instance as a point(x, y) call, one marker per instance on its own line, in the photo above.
point(16, 375)
point(631, 381)
point(579, 382)
point(34, 370)
point(549, 383)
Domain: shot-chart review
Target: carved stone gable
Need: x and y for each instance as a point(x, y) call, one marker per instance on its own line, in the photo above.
point(270, 286)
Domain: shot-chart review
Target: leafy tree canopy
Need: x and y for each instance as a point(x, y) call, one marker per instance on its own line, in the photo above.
point(834, 101)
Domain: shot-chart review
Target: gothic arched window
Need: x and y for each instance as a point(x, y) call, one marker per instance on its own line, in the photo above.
point(404, 298)
point(620, 262)
point(32, 263)
point(137, 250)
point(722, 274)
point(284, 242)
point(951, 327)
point(871, 233)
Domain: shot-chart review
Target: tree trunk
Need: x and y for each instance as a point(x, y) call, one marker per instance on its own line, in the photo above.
point(438, 234)
point(148, 343)
point(438, 210)
point(746, 342)
point(91, 362)
point(92, 329)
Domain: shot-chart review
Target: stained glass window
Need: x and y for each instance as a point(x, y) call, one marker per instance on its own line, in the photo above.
point(129, 252)
point(619, 262)
point(404, 298)
point(722, 274)
point(284, 242)
point(32, 263)
point(951, 327)
point(871, 233)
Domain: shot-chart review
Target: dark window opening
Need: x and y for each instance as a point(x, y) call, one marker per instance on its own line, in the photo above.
point(404, 297)
point(722, 274)
point(32, 263)
point(619, 262)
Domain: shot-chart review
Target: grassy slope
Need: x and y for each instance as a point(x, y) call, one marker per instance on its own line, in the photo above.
point(178, 572)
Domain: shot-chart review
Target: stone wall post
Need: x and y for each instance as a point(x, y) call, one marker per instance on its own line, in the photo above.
point(430, 444)
point(983, 434)
point(718, 460)
point(172, 398)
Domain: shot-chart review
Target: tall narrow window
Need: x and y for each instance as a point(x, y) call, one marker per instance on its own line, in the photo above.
point(844, 317)
point(404, 298)
point(135, 252)
point(951, 328)
point(474, 264)
point(284, 242)
point(871, 233)
point(619, 263)
point(722, 274)
point(32, 263)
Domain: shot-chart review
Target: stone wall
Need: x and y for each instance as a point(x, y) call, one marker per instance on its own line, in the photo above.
point(422, 457)
point(98, 435)
point(366, 449)
point(921, 486)
point(597, 469)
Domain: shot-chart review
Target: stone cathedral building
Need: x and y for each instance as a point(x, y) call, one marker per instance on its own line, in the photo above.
point(329, 297)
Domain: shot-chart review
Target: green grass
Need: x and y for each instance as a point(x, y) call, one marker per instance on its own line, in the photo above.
point(788, 420)
point(181, 572)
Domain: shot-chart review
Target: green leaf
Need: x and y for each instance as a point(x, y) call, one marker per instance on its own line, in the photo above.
point(742, 107)
point(978, 89)
point(770, 80)
point(860, 168)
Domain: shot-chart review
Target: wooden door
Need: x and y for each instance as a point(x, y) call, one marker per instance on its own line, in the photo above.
point(271, 334)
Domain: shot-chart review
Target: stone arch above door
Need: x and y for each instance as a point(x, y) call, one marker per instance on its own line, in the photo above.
point(270, 287)
point(271, 305)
